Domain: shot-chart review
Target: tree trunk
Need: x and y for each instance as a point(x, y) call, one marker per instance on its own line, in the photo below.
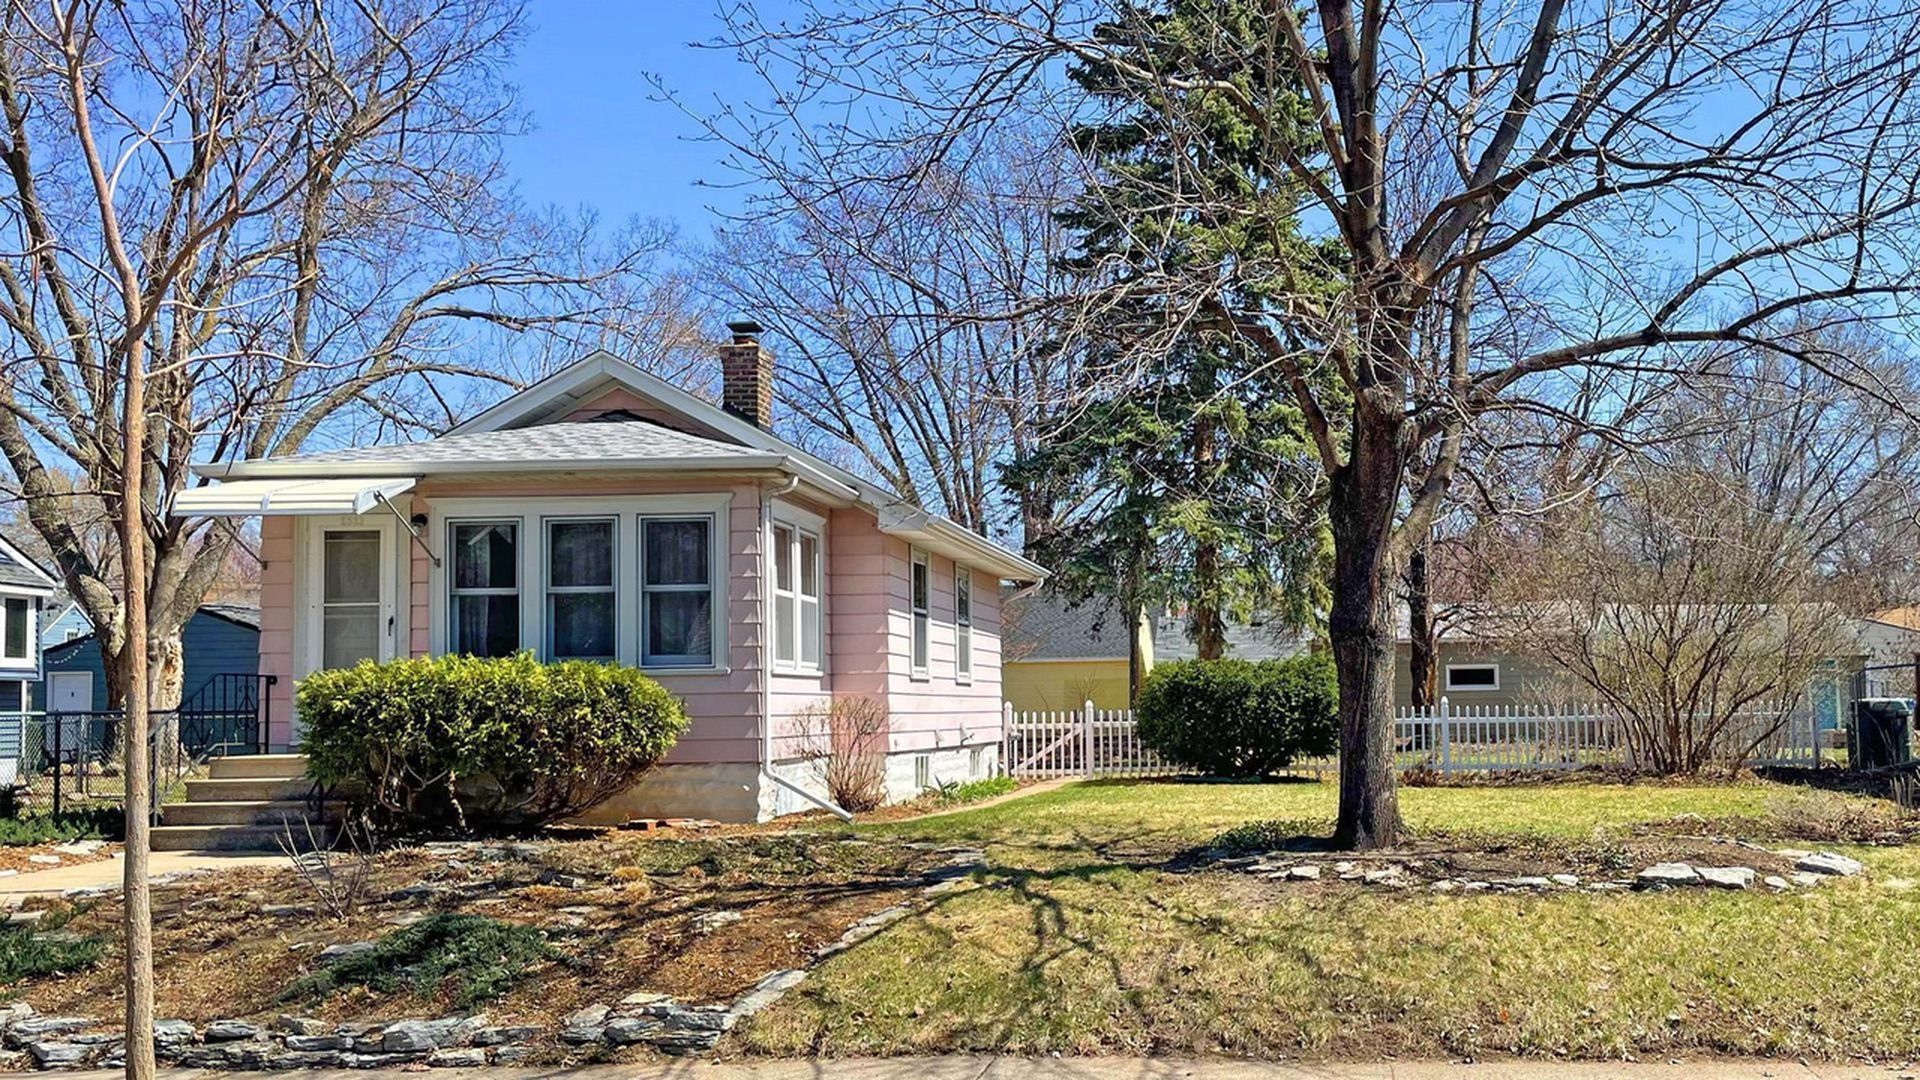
point(1422, 644)
point(1205, 620)
point(1362, 503)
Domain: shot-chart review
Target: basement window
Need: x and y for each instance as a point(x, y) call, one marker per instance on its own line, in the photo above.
point(1472, 677)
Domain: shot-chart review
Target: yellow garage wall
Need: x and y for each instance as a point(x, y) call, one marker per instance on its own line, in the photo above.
point(1033, 685)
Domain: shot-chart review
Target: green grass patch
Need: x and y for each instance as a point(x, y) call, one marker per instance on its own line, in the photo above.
point(1086, 938)
point(92, 824)
point(31, 950)
point(476, 958)
point(974, 791)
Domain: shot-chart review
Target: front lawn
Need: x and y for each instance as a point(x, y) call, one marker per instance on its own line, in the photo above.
point(1094, 932)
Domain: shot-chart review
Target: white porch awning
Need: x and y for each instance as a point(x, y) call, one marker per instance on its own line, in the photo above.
point(290, 496)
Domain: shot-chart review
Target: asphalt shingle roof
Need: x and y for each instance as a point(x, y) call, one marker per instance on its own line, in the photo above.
point(545, 444)
point(15, 572)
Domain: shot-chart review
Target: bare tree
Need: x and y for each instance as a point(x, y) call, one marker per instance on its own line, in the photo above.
point(1574, 187)
point(871, 300)
point(1703, 582)
point(308, 205)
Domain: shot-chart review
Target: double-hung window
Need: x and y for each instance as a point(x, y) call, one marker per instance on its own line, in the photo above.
point(18, 617)
point(796, 599)
point(962, 623)
point(677, 592)
point(920, 586)
point(581, 611)
point(486, 588)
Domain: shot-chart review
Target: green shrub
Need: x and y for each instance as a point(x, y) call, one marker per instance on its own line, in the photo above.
point(98, 823)
point(477, 957)
point(1239, 717)
point(483, 744)
point(29, 950)
point(974, 791)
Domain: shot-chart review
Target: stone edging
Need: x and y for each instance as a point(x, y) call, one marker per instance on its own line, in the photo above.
point(291, 1042)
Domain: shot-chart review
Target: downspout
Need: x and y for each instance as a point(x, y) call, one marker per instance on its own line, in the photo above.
point(766, 656)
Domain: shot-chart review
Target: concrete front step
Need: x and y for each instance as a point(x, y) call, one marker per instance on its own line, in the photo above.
point(247, 813)
point(258, 767)
point(248, 789)
point(227, 837)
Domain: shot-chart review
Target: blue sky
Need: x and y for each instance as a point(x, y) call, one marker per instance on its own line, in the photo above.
point(599, 141)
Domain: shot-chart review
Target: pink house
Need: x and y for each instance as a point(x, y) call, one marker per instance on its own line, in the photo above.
point(603, 513)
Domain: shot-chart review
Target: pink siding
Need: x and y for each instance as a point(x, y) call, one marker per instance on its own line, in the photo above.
point(276, 624)
point(937, 711)
point(725, 707)
point(868, 627)
point(420, 613)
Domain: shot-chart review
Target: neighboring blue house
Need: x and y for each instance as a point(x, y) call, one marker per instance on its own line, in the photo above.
point(24, 588)
point(220, 639)
point(61, 620)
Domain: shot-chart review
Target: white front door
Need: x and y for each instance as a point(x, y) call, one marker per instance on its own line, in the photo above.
point(70, 691)
point(350, 594)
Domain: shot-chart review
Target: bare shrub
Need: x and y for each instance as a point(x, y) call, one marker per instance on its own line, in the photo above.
point(846, 740)
point(339, 880)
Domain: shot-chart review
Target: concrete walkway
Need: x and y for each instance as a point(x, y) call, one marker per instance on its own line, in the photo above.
point(105, 872)
point(1013, 1068)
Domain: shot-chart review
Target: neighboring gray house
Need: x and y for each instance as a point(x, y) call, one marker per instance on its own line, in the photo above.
point(1477, 665)
point(1056, 654)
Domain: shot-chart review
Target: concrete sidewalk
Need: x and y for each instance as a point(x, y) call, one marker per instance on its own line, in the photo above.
point(1017, 1068)
point(110, 872)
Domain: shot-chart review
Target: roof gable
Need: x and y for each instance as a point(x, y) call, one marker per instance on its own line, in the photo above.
point(20, 573)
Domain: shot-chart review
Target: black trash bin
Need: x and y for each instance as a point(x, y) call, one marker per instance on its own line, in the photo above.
point(1879, 736)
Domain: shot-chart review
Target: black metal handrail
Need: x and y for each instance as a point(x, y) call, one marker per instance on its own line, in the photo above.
point(228, 714)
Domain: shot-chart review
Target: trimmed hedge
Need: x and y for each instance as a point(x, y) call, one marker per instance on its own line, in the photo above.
point(1240, 717)
point(472, 743)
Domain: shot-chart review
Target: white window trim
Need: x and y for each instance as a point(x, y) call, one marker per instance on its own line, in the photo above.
point(628, 571)
point(1487, 666)
point(714, 588)
point(25, 659)
point(920, 667)
point(962, 629)
point(799, 523)
point(310, 554)
point(520, 578)
point(548, 590)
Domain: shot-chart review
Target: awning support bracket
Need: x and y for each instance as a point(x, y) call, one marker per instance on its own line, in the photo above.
point(408, 525)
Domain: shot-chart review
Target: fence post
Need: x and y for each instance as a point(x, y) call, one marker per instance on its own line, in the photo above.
point(1086, 735)
point(1006, 738)
point(1446, 739)
point(59, 722)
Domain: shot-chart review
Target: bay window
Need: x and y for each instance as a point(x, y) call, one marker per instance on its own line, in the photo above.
point(963, 623)
point(676, 592)
point(920, 587)
point(486, 588)
point(581, 608)
point(796, 599)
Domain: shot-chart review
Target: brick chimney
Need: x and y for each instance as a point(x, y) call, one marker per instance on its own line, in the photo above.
point(746, 375)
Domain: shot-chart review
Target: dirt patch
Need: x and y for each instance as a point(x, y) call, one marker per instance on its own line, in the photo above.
point(21, 859)
point(698, 920)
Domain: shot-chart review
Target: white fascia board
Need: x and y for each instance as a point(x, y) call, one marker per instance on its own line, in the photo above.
point(935, 533)
point(274, 467)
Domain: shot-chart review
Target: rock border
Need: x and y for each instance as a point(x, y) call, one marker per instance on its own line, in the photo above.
point(1810, 869)
point(294, 1042)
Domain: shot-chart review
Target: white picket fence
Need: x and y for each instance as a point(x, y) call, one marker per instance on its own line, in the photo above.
point(1447, 738)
